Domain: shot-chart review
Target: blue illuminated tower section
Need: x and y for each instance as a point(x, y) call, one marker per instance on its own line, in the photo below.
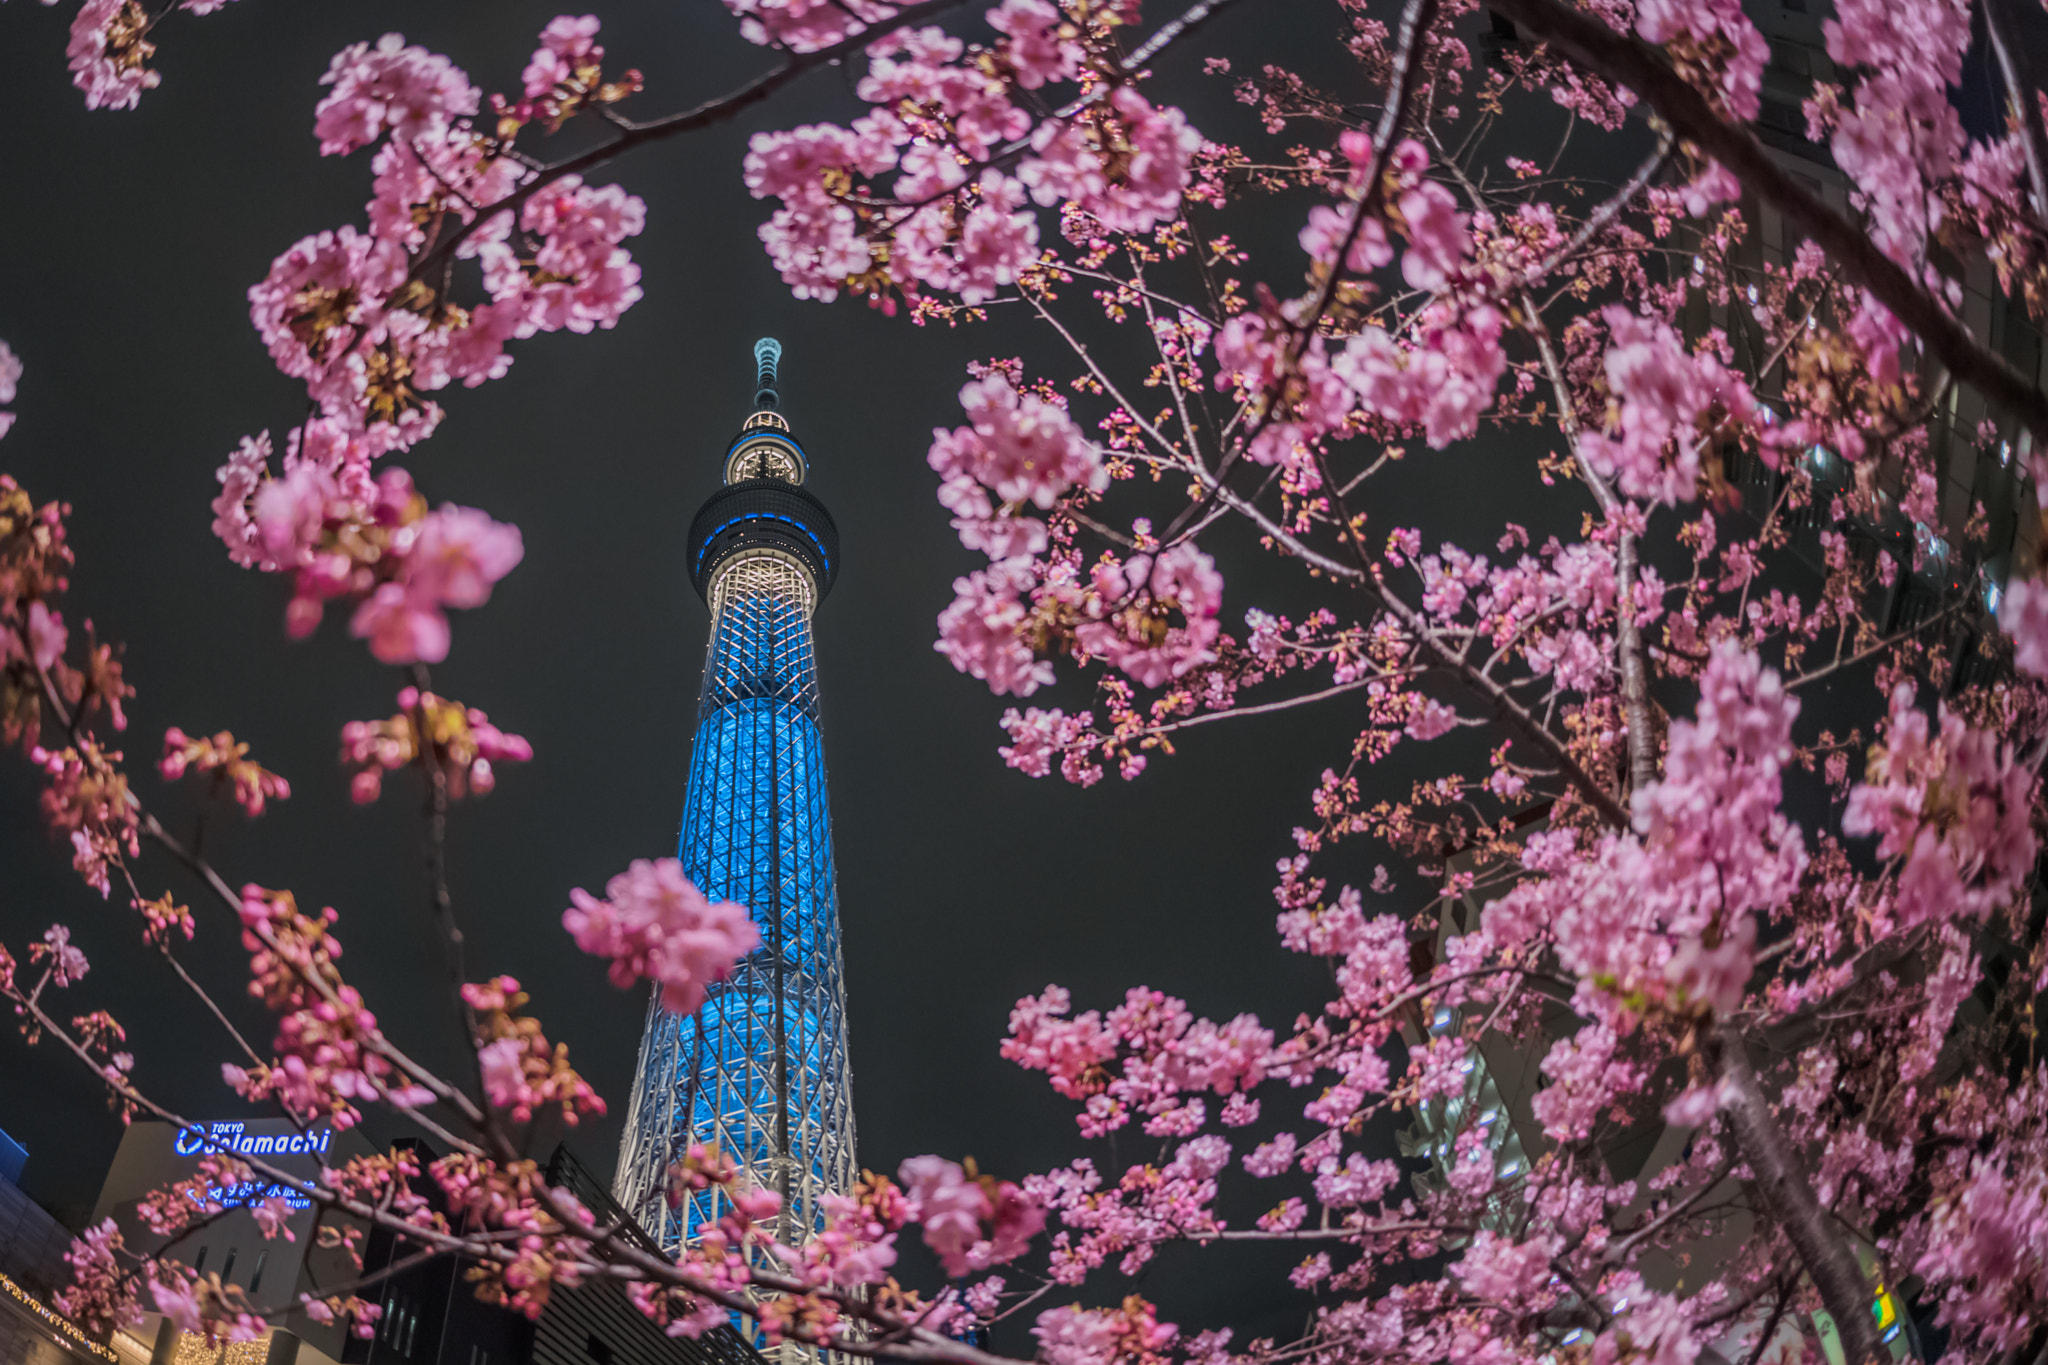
point(761, 1070)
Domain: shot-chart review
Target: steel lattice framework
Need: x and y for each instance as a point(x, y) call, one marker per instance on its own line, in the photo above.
point(761, 1070)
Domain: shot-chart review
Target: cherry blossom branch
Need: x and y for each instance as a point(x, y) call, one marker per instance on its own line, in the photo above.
point(1789, 1196)
point(391, 1052)
point(443, 903)
point(1501, 701)
point(969, 170)
point(1628, 61)
point(1336, 1234)
point(914, 1343)
point(1619, 1251)
point(311, 1189)
point(205, 997)
point(1497, 697)
point(147, 824)
point(1415, 19)
point(1284, 704)
point(633, 134)
point(2013, 61)
point(1635, 683)
point(1605, 215)
point(1839, 662)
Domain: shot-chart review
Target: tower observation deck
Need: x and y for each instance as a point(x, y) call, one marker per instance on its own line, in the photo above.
point(761, 1070)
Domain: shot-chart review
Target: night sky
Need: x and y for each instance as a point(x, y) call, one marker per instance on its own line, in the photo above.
point(125, 248)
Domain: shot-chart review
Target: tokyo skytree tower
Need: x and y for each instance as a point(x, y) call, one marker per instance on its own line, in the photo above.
point(761, 1070)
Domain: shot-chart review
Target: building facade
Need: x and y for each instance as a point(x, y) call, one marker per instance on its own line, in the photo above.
point(761, 1071)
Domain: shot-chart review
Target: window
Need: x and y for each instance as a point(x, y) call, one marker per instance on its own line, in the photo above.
point(256, 1275)
point(1782, 116)
point(1788, 56)
point(227, 1269)
point(199, 1261)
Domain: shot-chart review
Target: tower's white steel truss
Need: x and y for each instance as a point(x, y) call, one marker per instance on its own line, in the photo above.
point(761, 1071)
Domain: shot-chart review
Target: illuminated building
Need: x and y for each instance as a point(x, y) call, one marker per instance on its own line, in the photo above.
point(271, 1271)
point(761, 1070)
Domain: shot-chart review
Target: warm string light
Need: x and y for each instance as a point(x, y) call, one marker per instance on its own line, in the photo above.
point(195, 1349)
point(56, 1319)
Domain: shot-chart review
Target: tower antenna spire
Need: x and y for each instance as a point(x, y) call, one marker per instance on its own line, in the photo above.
point(767, 358)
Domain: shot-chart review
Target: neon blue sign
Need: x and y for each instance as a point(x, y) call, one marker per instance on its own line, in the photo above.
point(230, 1139)
point(233, 1139)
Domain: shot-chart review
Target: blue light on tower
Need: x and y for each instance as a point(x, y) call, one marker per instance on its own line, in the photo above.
point(761, 1070)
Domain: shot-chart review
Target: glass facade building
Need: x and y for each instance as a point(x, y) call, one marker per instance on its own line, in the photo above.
point(761, 1071)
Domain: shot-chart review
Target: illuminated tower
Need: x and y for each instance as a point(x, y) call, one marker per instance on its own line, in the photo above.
point(761, 1070)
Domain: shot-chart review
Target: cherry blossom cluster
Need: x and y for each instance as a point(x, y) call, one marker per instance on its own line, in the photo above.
point(923, 170)
point(357, 316)
point(342, 534)
point(1095, 1336)
point(1025, 450)
point(110, 44)
point(101, 1296)
point(87, 802)
point(227, 759)
point(806, 25)
point(331, 1057)
point(62, 961)
point(35, 643)
point(1953, 806)
point(656, 926)
point(459, 742)
point(522, 1072)
point(565, 76)
point(1162, 1055)
point(970, 1221)
point(10, 380)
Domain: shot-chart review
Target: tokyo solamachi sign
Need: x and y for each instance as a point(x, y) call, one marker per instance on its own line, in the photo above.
point(235, 1139)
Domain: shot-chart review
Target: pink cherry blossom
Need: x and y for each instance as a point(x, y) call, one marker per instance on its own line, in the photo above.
point(107, 51)
point(1664, 393)
point(1018, 446)
point(408, 90)
point(655, 925)
point(1035, 50)
point(1954, 804)
point(1067, 163)
point(10, 376)
point(979, 634)
point(804, 25)
point(65, 963)
point(1496, 1268)
point(1714, 24)
point(1441, 383)
point(459, 554)
point(2024, 616)
point(1133, 602)
point(566, 41)
point(101, 1295)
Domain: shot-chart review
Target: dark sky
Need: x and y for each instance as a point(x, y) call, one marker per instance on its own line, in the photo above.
point(126, 243)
